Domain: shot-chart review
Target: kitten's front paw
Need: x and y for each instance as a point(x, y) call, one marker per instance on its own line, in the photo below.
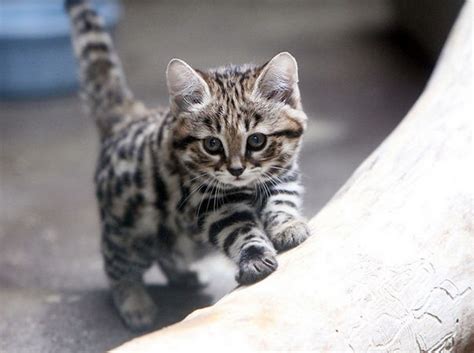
point(293, 234)
point(256, 263)
point(136, 308)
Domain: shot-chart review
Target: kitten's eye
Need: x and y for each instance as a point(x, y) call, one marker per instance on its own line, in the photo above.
point(256, 142)
point(212, 145)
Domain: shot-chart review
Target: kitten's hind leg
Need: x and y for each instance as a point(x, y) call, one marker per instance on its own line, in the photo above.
point(179, 273)
point(175, 258)
point(134, 304)
point(124, 268)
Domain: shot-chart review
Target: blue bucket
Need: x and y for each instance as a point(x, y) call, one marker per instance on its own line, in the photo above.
point(36, 58)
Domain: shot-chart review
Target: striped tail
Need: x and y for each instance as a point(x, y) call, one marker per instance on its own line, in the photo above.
point(103, 85)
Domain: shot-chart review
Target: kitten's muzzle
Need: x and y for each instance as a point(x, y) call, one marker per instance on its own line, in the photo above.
point(236, 171)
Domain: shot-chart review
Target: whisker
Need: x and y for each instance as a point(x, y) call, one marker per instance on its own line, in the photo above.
point(198, 210)
point(199, 176)
point(214, 195)
point(191, 193)
point(266, 189)
point(272, 180)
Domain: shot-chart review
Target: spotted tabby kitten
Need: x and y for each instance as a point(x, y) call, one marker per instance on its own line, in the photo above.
point(219, 166)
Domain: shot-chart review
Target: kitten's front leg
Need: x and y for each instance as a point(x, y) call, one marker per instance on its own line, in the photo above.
point(237, 231)
point(281, 217)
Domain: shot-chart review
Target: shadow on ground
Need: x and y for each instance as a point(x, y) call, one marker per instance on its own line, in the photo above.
point(68, 321)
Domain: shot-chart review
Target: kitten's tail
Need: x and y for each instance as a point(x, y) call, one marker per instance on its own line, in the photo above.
point(103, 85)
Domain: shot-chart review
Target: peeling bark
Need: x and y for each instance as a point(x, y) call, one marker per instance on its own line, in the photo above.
point(390, 265)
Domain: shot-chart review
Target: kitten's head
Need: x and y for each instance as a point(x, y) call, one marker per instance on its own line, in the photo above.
point(239, 125)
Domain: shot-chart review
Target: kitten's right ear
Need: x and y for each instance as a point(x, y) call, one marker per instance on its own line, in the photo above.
point(185, 86)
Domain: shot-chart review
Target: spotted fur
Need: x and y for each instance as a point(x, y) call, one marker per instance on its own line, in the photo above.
point(160, 189)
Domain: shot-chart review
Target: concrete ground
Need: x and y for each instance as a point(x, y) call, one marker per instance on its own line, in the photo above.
point(357, 82)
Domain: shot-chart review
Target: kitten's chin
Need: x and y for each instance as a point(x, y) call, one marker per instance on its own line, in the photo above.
point(231, 182)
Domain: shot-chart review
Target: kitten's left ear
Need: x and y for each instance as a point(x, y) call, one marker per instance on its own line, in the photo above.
point(279, 80)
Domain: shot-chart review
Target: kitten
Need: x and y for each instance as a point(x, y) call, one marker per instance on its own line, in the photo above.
point(219, 166)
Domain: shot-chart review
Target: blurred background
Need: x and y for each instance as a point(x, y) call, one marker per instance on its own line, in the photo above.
point(362, 65)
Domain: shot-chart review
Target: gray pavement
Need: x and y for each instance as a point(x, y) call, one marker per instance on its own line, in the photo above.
point(357, 82)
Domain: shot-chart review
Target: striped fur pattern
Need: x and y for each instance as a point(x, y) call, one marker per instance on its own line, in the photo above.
point(218, 167)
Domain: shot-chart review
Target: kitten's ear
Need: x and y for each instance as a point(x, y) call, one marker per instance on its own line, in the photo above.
point(185, 86)
point(279, 80)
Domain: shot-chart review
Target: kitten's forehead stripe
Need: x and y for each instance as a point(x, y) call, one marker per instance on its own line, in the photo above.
point(218, 126)
point(257, 118)
point(247, 124)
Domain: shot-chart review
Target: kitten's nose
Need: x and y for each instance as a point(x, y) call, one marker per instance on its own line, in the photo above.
point(236, 171)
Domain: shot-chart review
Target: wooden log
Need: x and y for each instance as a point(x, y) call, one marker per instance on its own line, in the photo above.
point(390, 265)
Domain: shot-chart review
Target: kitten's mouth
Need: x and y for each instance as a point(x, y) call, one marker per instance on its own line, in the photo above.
point(236, 181)
point(241, 181)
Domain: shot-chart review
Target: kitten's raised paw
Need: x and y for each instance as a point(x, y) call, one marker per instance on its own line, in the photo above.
point(136, 308)
point(255, 264)
point(292, 235)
